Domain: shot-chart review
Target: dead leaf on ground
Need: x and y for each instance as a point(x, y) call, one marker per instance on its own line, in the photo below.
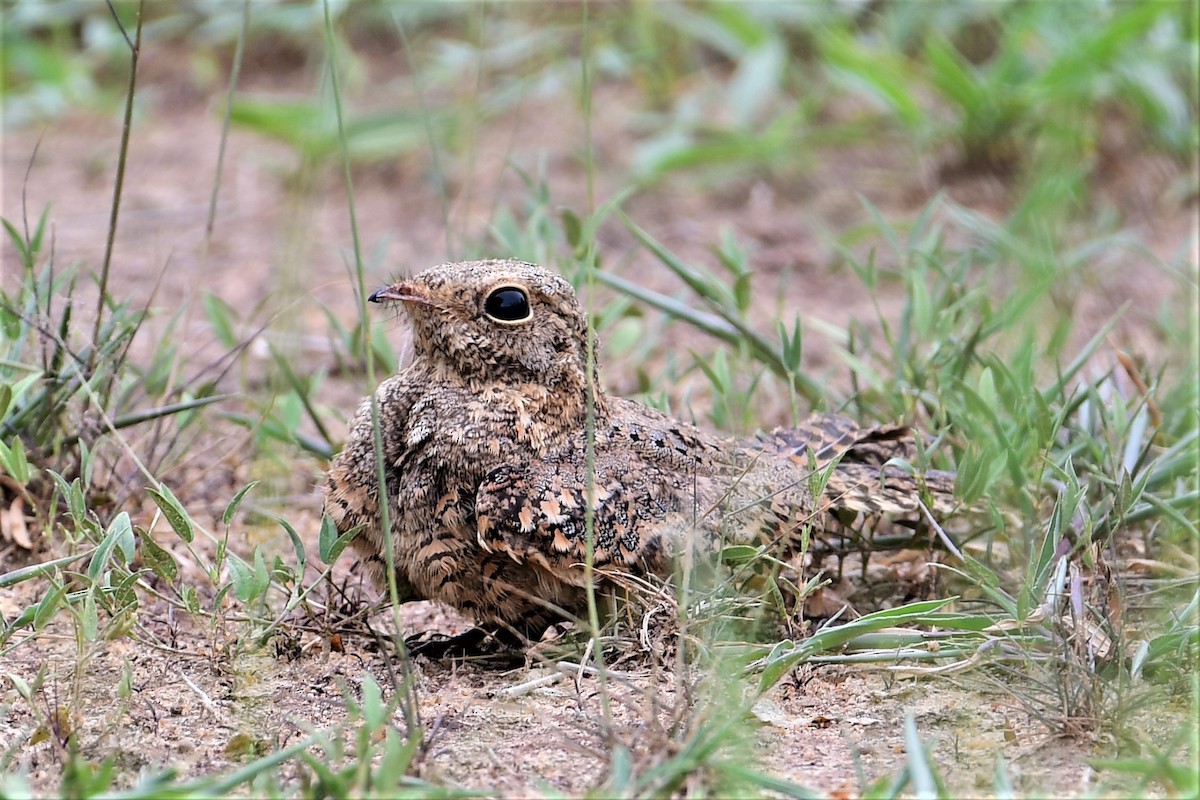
point(12, 524)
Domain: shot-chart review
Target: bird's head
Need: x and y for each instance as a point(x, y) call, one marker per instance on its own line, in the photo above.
point(506, 321)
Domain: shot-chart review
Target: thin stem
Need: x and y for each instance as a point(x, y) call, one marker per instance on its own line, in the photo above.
point(407, 690)
point(592, 389)
point(135, 48)
point(234, 73)
point(430, 133)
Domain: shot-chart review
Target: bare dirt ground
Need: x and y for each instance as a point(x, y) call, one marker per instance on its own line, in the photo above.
point(272, 255)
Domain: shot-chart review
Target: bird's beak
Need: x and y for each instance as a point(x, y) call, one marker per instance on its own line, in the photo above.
point(402, 292)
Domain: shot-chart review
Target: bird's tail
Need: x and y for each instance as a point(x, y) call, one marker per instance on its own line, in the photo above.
point(863, 481)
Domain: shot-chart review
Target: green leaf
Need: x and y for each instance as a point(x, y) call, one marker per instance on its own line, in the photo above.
point(191, 600)
point(232, 508)
point(243, 578)
point(572, 228)
point(926, 782)
point(953, 76)
point(374, 710)
point(755, 82)
point(14, 462)
point(118, 538)
point(77, 503)
point(624, 336)
point(262, 575)
point(329, 544)
point(21, 685)
point(326, 537)
point(39, 570)
point(1124, 495)
point(160, 561)
point(174, 511)
point(299, 124)
point(122, 530)
point(786, 655)
point(124, 593)
point(987, 388)
point(48, 606)
point(736, 554)
point(875, 74)
point(297, 546)
point(90, 619)
point(221, 316)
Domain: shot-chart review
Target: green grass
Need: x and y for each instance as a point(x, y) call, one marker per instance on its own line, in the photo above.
point(1070, 587)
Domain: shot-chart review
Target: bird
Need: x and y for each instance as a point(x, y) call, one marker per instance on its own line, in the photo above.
point(509, 469)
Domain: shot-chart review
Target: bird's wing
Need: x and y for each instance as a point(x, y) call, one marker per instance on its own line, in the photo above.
point(657, 486)
point(861, 482)
point(352, 484)
point(654, 484)
point(830, 435)
point(538, 512)
point(890, 490)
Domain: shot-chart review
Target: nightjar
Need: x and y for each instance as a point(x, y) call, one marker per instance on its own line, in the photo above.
point(490, 474)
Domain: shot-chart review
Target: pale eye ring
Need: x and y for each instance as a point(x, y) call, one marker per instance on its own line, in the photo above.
point(508, 304)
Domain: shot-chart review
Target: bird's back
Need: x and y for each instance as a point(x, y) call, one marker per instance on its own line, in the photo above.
point(658, 487)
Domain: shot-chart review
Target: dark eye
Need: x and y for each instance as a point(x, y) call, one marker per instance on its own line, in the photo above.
point(508, 304)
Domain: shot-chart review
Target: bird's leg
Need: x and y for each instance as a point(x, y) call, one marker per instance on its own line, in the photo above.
point(438, 645)
point(473, 643)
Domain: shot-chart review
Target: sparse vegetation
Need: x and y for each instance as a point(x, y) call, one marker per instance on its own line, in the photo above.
point(1035, 312)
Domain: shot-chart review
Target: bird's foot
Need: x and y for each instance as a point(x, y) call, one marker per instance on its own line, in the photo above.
point(476, 643)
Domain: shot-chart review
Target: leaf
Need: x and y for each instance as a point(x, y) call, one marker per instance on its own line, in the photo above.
point(160, 561)
point(77, 503)
point(953, 76)
point(123, 594)
point(924, 778)
point(755, 83)
point(374, 710)
point(572, 230)
point(326, 537)
point(89, 617)
point(191, 600)
point(299, 124)
point(122, 530)
point(329, 544)
point(232, 508)
point(220, 316)
point(46, 609)
point(243, 579)
point(624, 336)
point(174, 511)
point(21, 685)
point(782, 658)
point(119, 538)
point(297, 546)
point(262, 575)
point(987, 388)
point(875, 74)
point(39, 570)
point(736, 554)
point(14, 462)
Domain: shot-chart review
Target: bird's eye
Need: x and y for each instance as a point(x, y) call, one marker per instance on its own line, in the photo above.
point(507, 304)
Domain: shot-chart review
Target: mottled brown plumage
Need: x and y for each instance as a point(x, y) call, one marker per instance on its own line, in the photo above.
point(485, 443)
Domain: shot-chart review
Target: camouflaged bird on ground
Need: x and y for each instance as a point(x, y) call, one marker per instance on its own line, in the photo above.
point(489, 476)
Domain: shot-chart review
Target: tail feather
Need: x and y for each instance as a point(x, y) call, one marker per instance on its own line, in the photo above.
point(831, 435)
point(870, 490)
point(860, 482)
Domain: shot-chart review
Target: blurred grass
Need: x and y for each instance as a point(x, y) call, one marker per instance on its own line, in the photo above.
point(1076, 582)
